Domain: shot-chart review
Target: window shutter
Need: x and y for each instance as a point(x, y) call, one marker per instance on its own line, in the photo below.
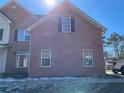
point(73, 24)
point(16, 35)
point(60, 24)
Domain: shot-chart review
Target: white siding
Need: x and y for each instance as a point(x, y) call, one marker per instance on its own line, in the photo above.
point(3, 55)
point(6, 33)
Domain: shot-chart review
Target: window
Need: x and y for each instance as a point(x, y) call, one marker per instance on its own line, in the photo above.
point(87, 58)
point(46, 58)
point(66, 24)
point(1, 34)
point(23, 35)
point(22, 60)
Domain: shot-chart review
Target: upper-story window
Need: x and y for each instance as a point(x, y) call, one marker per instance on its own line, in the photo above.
point(66, 24)
point(22, 35)
point(1, 34)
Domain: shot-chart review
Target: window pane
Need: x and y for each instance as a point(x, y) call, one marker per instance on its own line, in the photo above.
point(46, 53)
point(1, 34)
point(66, 28)
point(45, 62)
point(87, 62)
point(21, 35)
point(66, 20)
point(21, 60)
point(25, 63)
point(20, 63)
point(27, 36)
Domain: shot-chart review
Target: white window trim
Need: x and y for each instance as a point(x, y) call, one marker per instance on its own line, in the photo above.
point(64, 24)
point(17, 61)
point(45, 57)
point(24, 36)
point(91, 56)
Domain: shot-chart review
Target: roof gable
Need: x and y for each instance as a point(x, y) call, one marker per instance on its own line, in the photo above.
point(14, 4)
point(77, 10)
point(21, 17)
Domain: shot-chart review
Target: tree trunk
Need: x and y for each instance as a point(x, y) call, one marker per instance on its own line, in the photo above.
point(115, 50)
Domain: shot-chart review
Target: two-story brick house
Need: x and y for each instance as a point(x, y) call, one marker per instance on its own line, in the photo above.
point(65, 42)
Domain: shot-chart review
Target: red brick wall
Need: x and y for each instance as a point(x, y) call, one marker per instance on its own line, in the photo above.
point(67, 56)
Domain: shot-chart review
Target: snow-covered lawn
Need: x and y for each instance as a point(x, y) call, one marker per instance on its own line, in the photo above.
point(82, 79)
point(62, 85)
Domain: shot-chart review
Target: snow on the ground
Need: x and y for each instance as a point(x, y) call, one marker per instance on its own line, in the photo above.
point(61, 85)
point(82, 79)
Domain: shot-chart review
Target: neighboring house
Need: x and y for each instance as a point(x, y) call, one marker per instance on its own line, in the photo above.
point(4, 40)
point(19, 39)
point(65, 42)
